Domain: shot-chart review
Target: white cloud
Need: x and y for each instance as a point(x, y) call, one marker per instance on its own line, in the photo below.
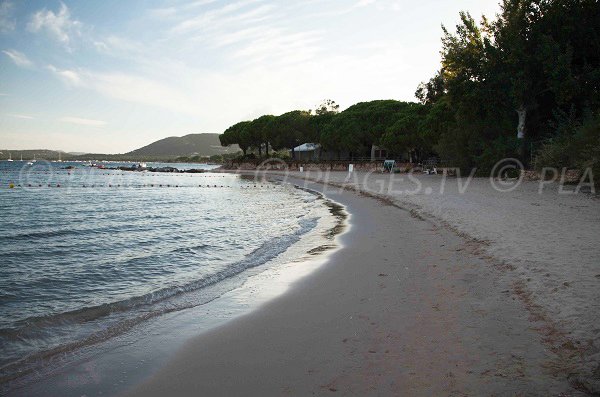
point(82, 121)
point(210, 19)
point(130, 88)
point(22, 116)
point(18, 58)
point(162, 13)
point(364, 3)
point(173, 12)
point(69, 77)
point(7, 22)
point(280, 48)
point(247, 32)
point(115, 45)
point(59, 26)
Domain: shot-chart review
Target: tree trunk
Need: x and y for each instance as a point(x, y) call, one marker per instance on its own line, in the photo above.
point(267, 149)
point(522, 112)
point(260, 150)
point(244, 150)
point(293, 154)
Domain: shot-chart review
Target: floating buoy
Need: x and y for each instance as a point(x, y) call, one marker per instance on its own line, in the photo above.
point(11, 185)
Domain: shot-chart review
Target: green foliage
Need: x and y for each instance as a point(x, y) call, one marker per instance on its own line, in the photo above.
point(575, 146)
point(237, 134)
point(540, 56)
point(538, 59)
point(328, 106)
point(360, 126)
point(292, 129)
point(407, 134)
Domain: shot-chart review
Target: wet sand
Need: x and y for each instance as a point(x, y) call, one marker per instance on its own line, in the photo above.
point(406, 307)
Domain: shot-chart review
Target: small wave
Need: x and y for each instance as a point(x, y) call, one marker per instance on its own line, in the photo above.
point(267, 251)
point(65, 232)
point(41, 234)
point(146, 304)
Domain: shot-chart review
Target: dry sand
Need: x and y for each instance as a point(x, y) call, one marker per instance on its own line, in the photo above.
point(407, 307)
point(547, 236)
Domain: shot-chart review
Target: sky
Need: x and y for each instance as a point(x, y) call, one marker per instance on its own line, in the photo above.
point(111, 76)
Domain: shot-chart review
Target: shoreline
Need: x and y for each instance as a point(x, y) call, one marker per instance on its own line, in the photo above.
point(405, 307)
point(90, 370)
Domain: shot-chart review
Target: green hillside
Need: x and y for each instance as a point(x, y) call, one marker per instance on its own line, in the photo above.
point(188, 145)
point(38, 154)
point(194, 146)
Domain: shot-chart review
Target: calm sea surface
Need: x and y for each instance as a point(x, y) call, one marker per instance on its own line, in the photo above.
point(87, 254)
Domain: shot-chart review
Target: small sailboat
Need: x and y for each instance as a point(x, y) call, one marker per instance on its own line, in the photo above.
point(34, 159)
point(9, 157)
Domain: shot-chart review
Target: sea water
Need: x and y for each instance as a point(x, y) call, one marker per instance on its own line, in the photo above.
point(89, 254)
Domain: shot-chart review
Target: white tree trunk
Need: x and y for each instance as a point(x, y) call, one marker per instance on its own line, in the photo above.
point(522, 112)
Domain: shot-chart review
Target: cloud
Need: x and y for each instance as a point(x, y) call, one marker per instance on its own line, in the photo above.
point(22, 116)
point(173, 11)
point(7, 22)
point(226, 14)
point(82, 121)
point(363, 3)
point(278, 47)
point(247, 32)
point(18, 58)
point(115, 45)
point(59, 26)
point(69, 77)
point(129, 88)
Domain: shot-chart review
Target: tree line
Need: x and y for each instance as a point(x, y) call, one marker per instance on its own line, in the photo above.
point(525, 84)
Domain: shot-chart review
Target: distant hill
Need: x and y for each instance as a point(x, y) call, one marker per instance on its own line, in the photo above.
point(168, 149)
point(39, 154)
point(188, 145)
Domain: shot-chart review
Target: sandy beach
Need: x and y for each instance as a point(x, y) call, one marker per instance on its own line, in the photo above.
point(411, 305)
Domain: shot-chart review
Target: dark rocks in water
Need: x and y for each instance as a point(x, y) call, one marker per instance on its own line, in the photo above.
point(69, 167)
point(160, 169)
point(163, 169)
point(132, 168)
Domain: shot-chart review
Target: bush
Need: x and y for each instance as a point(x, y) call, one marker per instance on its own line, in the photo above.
point(576, 145)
